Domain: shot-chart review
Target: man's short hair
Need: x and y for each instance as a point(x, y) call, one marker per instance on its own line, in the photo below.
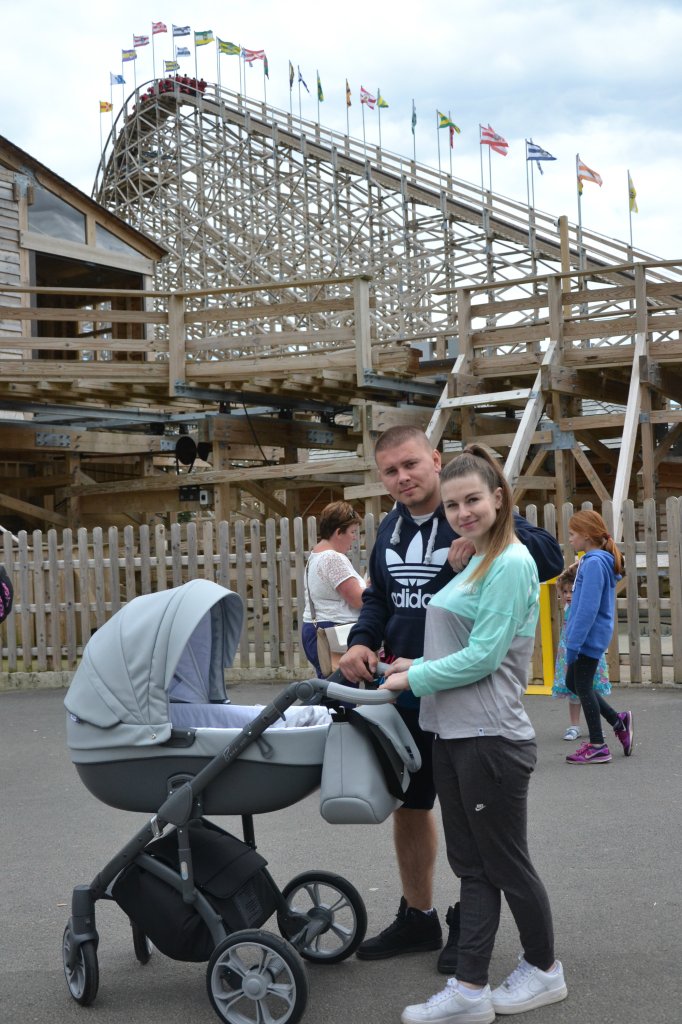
point(395, 436)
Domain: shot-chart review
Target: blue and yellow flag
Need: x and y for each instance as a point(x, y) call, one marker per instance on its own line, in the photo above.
point(171, 65)
point(381, 102)
point(202, 38)
point(128, 55)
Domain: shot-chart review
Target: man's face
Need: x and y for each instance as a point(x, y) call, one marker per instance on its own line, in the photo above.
point(410, 472)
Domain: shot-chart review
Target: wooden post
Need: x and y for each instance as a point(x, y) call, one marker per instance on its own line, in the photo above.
point(363, 336)
point(177, 372)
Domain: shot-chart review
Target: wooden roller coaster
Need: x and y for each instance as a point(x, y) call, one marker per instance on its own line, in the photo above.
point(303, 292)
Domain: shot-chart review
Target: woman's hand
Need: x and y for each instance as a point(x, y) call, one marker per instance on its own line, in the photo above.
point(399, 665)
point(397, 681)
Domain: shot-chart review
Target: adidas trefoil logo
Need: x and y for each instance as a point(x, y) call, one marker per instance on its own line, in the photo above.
point(412, 571)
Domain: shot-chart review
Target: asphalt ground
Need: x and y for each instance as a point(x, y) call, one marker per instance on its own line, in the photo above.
point(606, 840)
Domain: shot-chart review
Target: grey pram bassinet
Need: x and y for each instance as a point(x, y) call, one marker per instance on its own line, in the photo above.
point(146, 705)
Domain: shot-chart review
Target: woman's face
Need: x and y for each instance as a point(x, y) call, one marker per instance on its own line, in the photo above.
point(471, 508)
point(343, 540)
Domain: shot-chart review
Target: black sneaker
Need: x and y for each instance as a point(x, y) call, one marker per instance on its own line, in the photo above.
point(447, 961)
point(413, 931)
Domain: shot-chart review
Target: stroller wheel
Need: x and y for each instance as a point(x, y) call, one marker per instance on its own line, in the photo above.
point(141, 944)
point(80, 968)
point(254, 976)
point(326, 920)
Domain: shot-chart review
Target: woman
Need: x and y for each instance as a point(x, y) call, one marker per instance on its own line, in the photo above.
point(333, 589)
point(479, 637)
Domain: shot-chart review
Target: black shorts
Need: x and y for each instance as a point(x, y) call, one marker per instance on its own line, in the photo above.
point(421, 792)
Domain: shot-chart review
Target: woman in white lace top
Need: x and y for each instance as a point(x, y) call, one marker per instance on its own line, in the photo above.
point(331, 581)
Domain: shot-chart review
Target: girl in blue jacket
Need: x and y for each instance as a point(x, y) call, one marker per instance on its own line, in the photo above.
point(589, 630)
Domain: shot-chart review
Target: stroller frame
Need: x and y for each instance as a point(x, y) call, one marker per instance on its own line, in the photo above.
point(248, 967)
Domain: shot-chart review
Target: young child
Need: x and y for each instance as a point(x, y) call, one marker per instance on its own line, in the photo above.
point(564, 590)
point(589, 630)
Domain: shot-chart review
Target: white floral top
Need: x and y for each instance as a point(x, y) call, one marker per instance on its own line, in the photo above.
point(326, 570)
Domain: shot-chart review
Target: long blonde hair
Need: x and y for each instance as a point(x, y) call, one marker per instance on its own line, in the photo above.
point(477, 459)
point(590, 524)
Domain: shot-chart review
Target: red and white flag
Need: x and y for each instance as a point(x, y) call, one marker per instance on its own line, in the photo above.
point(158, 26)
point(489, 137)
point(366, 97)
point(586, 173)
point(140, 40)
point(251, 55)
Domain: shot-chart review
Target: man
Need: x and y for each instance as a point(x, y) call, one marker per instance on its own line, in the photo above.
point(415, 554)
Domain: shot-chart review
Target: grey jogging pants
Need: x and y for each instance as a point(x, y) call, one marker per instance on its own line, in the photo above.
point(482, 785)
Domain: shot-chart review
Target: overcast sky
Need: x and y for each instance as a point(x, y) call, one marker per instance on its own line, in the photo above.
point(600, 78)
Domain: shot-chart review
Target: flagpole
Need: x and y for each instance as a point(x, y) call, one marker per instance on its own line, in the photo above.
point(265, 87)
point(364, 141)
point(217, 62)
point(101, 143)
point(630, 213)
point(438, 137)
point(480, 149)
point(451, 140)
point(153, 54)
point(135, 74)
point(241, 61)
point(111, 99)
point(300, 116)
point(291, 89)
point(580, 216)
point(317, 82)
point(379, 109)
point(530, 236)
point(414, 133)
point(347, 112)
point(196, 70)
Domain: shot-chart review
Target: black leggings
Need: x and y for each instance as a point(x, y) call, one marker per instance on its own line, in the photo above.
point(580, 681)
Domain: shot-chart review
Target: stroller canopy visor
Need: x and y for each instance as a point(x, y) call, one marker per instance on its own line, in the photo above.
point(173, 642)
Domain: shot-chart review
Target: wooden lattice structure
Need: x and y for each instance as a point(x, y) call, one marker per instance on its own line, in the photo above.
point(314, 292)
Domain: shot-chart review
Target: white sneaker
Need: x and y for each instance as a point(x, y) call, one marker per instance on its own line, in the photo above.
point(451, 1007)
point(573, 732)
point(528, 987)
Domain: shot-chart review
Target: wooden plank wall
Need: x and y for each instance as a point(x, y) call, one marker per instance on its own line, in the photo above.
point(67, 585)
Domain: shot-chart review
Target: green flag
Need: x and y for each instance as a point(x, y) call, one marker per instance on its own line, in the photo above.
point(320, 94)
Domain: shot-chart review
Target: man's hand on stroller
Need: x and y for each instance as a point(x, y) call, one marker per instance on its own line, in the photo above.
point(359, 664)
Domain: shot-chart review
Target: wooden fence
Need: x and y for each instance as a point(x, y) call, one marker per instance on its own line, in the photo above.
point(67, 585)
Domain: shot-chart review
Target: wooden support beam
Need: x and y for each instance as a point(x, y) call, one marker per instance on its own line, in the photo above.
point(671, 438)
point(8, 503)
point(592, 442)
point(591, 474)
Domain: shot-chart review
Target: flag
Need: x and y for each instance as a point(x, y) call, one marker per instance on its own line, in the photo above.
point(251, 55)
point(381, 102)
point(171, 65)
point(182, 51)
point(116, 79)
point(348, 102)
point(586, 173)
point(632, 193)
point(291, 76)
point(320, 94)
point(158, 26)
point(181, 30)
point(445, 122)
point(105, 107)
point(366, 97)
point(266, 67)
point(140, 40)
point(414, 117)
point(302, 81)
point(231, 49)
point(202, 38)
point(489, 137)
point(537, 153)
point(128, 55)
point(453, 128)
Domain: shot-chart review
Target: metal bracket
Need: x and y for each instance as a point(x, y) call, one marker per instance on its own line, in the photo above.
point(562, 440)
point(45, 440)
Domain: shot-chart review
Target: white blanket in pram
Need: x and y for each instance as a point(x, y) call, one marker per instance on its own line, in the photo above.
point(236, 716)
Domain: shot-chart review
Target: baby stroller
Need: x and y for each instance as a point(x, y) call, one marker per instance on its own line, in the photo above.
point(148, 730)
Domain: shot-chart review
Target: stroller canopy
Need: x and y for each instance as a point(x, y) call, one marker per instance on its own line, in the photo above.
point(175, 643)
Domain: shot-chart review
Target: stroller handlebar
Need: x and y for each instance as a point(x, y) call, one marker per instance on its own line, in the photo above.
point(350, 693)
